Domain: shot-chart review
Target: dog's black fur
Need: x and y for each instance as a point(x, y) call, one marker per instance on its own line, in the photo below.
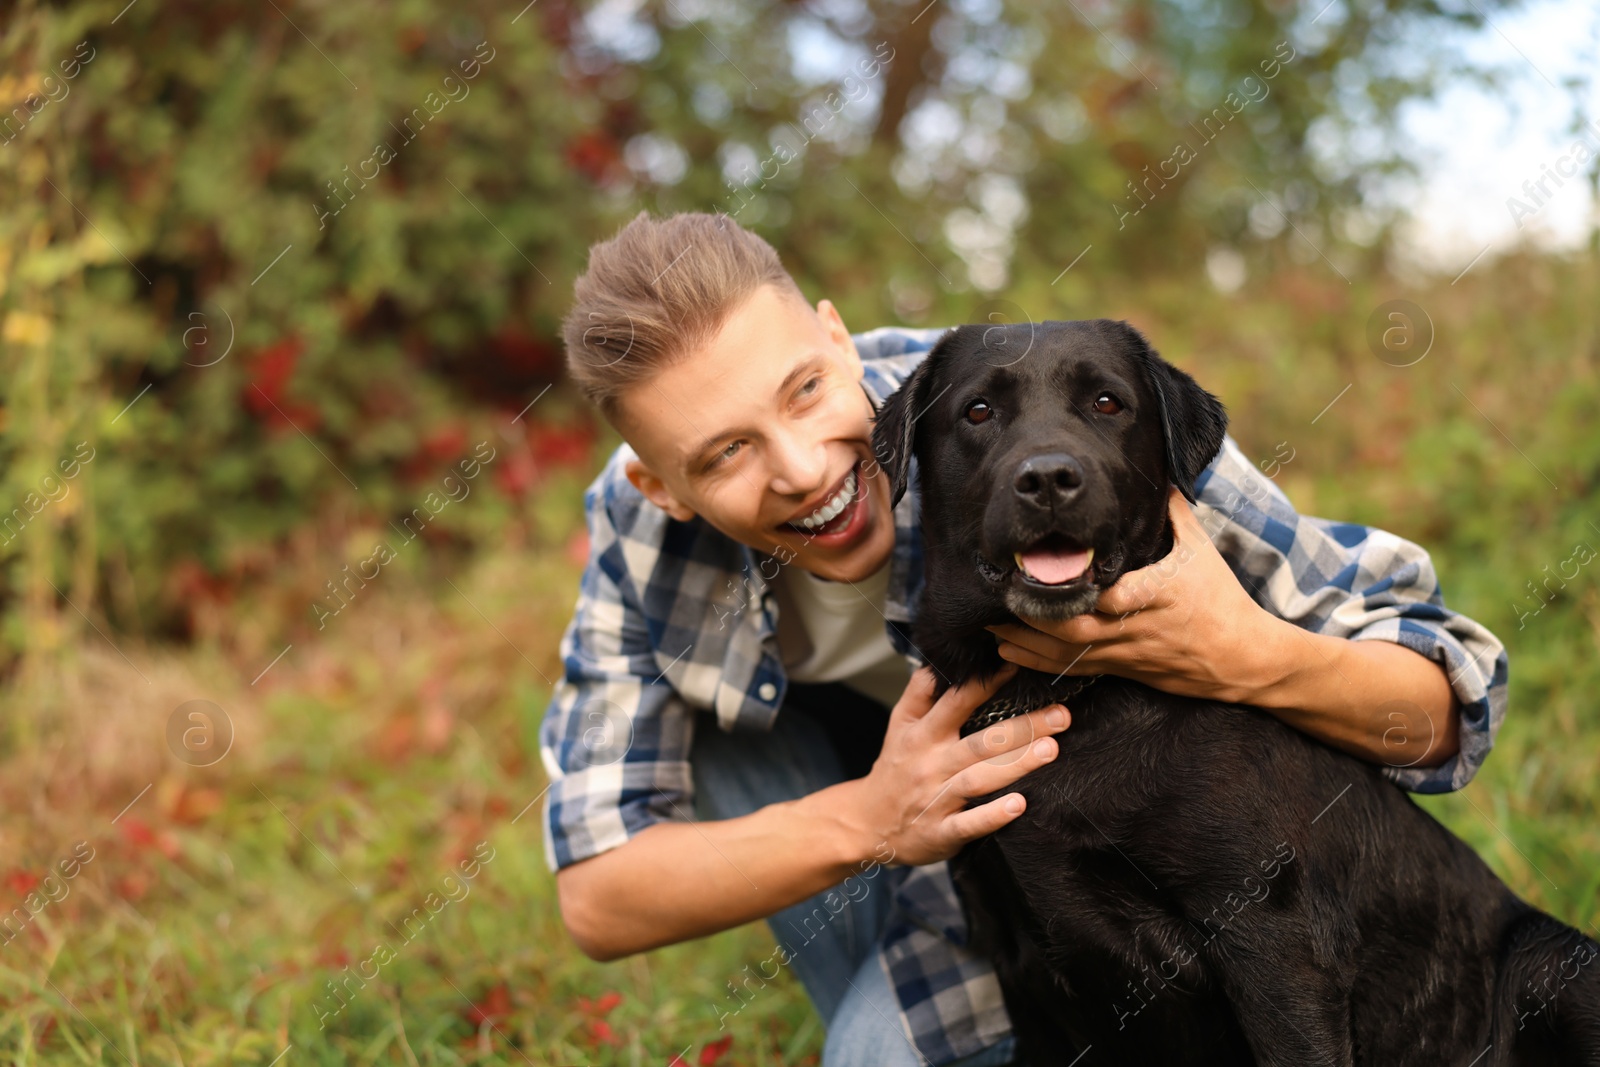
point(1192, 882)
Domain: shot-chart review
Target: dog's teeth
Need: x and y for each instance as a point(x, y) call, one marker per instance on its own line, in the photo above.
point(1090, 560)
point(1020, 565)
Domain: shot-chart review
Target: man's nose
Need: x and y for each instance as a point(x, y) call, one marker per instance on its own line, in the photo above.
point(798, 466)
point(1049, 480)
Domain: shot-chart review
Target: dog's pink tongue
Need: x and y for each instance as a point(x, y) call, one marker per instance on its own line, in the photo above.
point(1053, 567)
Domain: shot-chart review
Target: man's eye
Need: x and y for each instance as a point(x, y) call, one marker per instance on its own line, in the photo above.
point(727, 453)
point(811, 386)
point(977, 411)
point(1106, 404)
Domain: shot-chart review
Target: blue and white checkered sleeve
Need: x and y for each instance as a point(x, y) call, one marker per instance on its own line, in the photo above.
point(1359, 582)
point(614, 743)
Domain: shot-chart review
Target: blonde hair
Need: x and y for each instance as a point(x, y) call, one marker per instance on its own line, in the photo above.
point(654, 292)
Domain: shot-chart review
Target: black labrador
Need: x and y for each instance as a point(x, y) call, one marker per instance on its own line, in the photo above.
point(1192, 882)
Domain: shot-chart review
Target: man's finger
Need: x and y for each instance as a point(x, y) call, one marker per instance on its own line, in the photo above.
point(959, 702)
point(1035, 641)
point(1189, 536)
point(1095, 629)
point(1150, 586)
point(918, 696)
point(1008, 744)
point(1136, 591)
point(1184, 520)
point(1121, 601)
point(973, 823)
point(986, 777)
point(1026, 657)
point(1082, 661)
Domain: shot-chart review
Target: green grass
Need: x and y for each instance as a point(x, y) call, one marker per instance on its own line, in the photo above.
point(213, 914)
point(376, 755)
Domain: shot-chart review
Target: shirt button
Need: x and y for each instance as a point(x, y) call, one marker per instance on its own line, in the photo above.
point(767, 691)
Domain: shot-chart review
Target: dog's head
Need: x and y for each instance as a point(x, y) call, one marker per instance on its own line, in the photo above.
point(1044, 452)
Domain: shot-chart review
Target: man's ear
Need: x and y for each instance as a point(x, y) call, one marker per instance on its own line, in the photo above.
point(1193, 421)
point(840, 335)
point(894, 430)
point(656, 491)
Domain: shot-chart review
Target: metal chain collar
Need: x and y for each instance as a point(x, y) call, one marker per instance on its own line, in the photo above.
point(1001, 709)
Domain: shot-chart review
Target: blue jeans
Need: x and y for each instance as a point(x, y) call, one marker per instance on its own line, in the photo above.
point(835, 958)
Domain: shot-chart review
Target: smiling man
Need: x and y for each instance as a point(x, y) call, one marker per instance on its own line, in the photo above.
point(738, 732)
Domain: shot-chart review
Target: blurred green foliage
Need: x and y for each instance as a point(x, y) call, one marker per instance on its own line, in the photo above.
point(280, 266)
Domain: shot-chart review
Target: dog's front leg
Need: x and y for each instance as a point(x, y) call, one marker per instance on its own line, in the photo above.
point(1293, 1013)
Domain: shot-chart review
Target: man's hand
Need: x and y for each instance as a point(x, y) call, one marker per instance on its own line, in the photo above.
point(1183, 625)
point(914, 801)
point(676, 879)
point(1186, 626)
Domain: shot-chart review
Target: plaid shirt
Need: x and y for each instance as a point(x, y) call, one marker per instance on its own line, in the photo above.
point(675, 616)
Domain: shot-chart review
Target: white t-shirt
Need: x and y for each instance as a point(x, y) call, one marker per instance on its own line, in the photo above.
point(835, 632)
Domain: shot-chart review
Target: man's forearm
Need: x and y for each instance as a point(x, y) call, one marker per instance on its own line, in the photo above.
point(676, 881)
point(1374, 699)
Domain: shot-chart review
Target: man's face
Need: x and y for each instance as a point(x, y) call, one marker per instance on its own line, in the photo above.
point(766, 433)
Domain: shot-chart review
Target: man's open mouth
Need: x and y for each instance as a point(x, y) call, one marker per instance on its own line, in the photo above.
point(836, 512)
point(1053, 560)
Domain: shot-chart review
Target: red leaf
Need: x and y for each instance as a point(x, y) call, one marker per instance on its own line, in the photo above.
point(136, 833)
point(194, 805)
point(715, 1051)
point(528, 358)
point(446, 442)
point(271, 368)
point(600, 1006)
point(411, 39)
point(517, 474)
point(601, 1032)
point(191, 581)
point(333, 956)
point(595, 155)
point(560, 446)
point(133, 886)
point(436, 453)
point(22, 882)
point(495, 1005)
point(264, 397)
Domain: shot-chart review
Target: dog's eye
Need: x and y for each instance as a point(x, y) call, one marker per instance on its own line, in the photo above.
point(977, 411)
point(1106, 404)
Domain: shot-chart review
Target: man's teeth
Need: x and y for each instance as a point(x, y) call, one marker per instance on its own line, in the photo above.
point(830, 511)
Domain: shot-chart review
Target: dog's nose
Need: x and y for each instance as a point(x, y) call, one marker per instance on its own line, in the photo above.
point(1044, 480)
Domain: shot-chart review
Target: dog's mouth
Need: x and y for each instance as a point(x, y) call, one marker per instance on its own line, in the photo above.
point(1053, 561)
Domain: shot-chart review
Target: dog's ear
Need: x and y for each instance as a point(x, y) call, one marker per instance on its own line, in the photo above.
point(1192, 420)
point(894, 429)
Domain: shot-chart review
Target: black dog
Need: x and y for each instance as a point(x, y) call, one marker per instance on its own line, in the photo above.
point(1192, 882)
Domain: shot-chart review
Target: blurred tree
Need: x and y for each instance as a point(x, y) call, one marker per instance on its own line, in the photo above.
point(273, 262)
